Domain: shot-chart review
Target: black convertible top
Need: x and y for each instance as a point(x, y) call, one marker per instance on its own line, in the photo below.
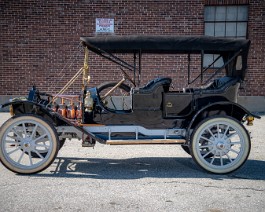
point(164, 44)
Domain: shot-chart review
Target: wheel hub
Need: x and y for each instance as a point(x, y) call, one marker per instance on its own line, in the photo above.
point(27, 144)
point(221, 145)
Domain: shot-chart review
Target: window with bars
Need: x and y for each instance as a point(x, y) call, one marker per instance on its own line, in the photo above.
point(224, 21)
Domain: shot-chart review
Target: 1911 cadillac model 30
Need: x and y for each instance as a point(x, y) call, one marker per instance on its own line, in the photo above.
point(206, 121)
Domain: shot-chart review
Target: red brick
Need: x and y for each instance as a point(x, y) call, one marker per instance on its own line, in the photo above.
point(37, 38)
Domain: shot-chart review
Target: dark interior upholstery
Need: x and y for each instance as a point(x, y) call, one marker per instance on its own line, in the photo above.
point(220, 85)
point(155, 83)
point(149, 97)
point(217, 86)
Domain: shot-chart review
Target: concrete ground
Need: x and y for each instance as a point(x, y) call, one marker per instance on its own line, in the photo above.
point(136, 178)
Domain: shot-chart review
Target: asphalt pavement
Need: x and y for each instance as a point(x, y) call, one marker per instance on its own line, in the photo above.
point(136, 178)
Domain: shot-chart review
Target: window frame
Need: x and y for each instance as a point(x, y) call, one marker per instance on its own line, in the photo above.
point(224, 20)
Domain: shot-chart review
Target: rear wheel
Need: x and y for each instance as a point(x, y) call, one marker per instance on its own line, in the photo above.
point(226, 141)
point(203, 151)
point(28, 144)
point(186, 149)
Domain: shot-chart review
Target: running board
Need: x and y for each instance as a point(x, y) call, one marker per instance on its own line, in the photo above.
point(145, 141)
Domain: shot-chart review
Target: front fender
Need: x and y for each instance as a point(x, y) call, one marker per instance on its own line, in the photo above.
point(24, 106)
point(29, 107)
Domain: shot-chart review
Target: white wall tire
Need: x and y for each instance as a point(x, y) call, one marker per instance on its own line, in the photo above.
point(225, 139)
point(23, 135)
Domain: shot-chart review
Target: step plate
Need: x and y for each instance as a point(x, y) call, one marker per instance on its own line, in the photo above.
point(146, 141)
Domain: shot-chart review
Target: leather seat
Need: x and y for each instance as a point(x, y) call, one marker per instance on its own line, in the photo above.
point(155, 83)
point(219, 85)
point(149, 97)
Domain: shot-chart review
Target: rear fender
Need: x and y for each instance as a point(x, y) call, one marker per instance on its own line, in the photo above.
point(220, 108)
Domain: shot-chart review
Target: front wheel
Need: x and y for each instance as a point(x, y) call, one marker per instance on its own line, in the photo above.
point(28, 144)
point(227, 143)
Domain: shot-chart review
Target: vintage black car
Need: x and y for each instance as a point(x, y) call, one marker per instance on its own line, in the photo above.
point(205, 120)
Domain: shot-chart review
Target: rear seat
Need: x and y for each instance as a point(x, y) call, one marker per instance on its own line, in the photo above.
point(216, 87)
point(220, 85)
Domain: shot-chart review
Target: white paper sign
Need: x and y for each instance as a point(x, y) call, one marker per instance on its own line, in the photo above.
point(105, 25)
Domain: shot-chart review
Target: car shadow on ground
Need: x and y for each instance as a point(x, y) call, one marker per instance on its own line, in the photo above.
point(136, 168)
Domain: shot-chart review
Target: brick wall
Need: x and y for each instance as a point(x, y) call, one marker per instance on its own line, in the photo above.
point(255, 79)
point(37, 38)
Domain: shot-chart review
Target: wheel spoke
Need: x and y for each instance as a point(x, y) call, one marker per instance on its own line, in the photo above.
point(229, 157)
point(9, 153)
point(213, 158)
point(206, 139)
point(232, 150)
point(205, 146)
point(207, 153)
point(36, 151)
point(236, 142)
point(24, 129)
point(226, 130)
point(22, 153)
point(34, 131)
point(231, 135)
point(14, 131)
point(43, 145)
point(10, 142)
point(221, 160)
point(218, 133)
point(43, 140)
point(210, 132)
point(30, 158)
point(41, 137)
point(12, 137)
